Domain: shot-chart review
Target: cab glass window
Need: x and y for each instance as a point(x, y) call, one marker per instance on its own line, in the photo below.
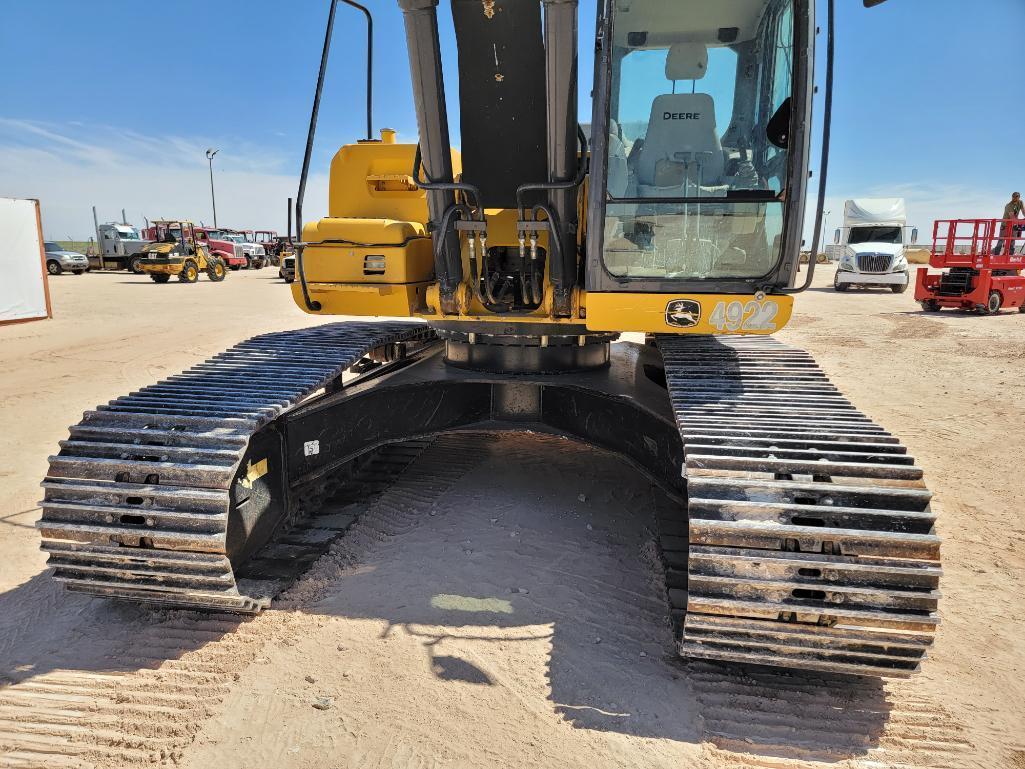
point(875, 235)
point(699, 122)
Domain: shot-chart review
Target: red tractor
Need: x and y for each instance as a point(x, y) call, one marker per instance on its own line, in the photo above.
point(981, 270)
point(271, 243)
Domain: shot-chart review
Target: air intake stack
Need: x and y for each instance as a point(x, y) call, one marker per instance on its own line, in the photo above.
point(561, 88)
point(421, 22)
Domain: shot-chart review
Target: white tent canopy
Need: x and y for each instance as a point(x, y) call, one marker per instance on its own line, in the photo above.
point(23, 290)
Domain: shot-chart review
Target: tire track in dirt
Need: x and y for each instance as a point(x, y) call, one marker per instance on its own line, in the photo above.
point(147, 704)
point(143, 709)
point(796, 719)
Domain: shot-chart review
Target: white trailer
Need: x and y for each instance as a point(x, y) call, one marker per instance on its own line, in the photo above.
point(873, 245)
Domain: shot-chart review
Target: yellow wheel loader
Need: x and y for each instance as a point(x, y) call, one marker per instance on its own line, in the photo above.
point(803, 537)
point(177, 252)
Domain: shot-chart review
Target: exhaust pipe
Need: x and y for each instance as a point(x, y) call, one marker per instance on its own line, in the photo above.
point(560, 26)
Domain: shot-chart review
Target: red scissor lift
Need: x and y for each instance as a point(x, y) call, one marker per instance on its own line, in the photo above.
point(974, 277)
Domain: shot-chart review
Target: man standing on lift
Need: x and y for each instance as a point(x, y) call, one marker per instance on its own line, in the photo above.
point(1012, 211)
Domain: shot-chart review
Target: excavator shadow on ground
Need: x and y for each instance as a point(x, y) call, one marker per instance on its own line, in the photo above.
point(547, 541)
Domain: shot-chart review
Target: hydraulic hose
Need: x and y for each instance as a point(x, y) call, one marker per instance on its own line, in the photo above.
point(576, 181)
point(561, 273)
point(449, 258)
point(554, 242)
point(446, 224)
point(429, 183)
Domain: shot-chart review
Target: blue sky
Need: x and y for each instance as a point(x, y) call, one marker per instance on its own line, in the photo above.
point(113, 102)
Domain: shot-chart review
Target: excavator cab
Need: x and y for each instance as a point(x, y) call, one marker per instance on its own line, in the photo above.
point(801, 536)
point(698, 154)
point(699, 158)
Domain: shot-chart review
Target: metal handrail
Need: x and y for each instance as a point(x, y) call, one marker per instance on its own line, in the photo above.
point(299, 266)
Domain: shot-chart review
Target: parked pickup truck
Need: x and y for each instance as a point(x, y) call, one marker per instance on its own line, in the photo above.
point(59, 259)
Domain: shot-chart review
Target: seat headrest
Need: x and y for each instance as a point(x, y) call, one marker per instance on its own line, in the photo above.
point(687, 61)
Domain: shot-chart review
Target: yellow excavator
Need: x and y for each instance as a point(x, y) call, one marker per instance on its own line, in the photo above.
point(802, 537)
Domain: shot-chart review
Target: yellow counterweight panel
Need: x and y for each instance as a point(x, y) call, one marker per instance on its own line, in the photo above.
point(395, 252)
point(365, 300)
point(687, 314)
point(390, 232)
point(371, 200)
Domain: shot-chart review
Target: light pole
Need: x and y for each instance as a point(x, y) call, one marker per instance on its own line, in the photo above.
point(213, 201)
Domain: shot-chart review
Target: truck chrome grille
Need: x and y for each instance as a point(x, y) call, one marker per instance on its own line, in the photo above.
point(874, 262)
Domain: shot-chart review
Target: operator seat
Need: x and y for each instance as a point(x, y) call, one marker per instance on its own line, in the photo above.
point(681, 148)
point(618, 175)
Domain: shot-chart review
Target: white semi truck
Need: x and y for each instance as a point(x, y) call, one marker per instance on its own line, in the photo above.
point(118, 246)
point(873, 241)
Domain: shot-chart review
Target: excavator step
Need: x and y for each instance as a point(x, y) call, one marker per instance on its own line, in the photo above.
point(810, 542)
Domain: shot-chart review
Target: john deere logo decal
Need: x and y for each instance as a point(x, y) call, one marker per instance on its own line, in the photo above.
point(683, 313)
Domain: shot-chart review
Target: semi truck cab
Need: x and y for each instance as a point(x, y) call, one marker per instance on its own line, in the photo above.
point(220, 244)
point(874, 239)
point(119, 246)
point(254, 252)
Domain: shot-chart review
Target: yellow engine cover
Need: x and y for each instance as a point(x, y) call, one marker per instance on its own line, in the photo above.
point(372, 255)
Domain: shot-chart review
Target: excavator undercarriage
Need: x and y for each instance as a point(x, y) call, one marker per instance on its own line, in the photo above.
point(802, 535)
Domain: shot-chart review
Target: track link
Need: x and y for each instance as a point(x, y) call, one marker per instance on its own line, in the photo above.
point(810, 542)
point(137, 502)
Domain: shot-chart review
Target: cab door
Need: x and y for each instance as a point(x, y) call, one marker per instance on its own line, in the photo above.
point(699, 146)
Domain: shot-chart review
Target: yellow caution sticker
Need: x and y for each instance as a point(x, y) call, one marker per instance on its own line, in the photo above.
point(254, 472)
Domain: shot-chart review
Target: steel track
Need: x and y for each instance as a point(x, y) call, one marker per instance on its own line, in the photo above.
point(811, 543)
point(136, 504)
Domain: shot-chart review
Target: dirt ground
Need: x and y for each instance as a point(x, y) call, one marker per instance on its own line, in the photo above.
point(501, 605)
